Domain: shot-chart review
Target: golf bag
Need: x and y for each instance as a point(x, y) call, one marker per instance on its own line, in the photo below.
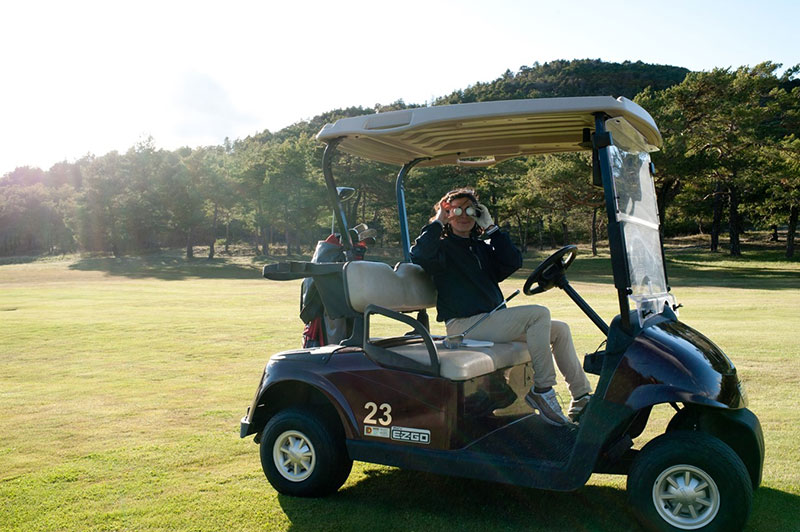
point(320, 329)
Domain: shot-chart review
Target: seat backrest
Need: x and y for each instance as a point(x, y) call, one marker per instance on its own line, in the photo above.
point(405, 288)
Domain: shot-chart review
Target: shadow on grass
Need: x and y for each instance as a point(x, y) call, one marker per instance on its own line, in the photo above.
point(406, 500)
point(767, 271)
point(4, 261)
point(764, 270)
point(171, 268)
point(774, 510)
point(174, 267)
point(686, 272)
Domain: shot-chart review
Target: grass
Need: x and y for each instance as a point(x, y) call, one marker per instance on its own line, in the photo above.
point(122, 382)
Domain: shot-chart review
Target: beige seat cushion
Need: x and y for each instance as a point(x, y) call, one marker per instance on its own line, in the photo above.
point(469, 362)
point(403, 289)
point(407, 288)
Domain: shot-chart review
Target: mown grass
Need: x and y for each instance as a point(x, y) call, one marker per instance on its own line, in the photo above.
point(122, 382)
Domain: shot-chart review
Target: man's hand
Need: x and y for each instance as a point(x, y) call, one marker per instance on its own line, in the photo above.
point(484, 219)
point(441, 214)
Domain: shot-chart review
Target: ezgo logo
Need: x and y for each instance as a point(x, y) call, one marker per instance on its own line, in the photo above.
point(411, 435)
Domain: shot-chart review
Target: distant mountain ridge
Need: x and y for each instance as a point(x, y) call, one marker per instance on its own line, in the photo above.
point(580, 77)
point(561, 78)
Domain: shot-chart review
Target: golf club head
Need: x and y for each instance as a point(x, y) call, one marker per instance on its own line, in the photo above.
point(345, 193)
point(367, 233)
point(453, 341)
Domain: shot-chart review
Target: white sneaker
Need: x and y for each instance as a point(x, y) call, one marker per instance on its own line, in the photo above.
point(547, 405)
point(577, 406)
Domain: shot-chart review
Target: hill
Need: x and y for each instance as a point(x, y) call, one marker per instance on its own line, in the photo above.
point(580, 77)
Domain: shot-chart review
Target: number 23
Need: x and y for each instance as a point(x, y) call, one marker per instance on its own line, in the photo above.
point(384, 420)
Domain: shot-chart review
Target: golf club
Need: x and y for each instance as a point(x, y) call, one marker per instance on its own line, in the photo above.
point(454, 341)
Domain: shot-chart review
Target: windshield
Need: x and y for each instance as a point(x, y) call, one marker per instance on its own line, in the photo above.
point(637, 214)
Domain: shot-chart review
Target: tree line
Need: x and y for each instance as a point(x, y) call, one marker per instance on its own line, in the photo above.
point(730, 162)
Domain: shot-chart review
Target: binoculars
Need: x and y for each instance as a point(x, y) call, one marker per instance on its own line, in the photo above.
point(473, 210)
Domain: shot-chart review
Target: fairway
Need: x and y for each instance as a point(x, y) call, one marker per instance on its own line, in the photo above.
point(122, 383)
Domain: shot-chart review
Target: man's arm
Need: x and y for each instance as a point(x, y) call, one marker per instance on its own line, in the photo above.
point(506, 257)
point(426, 250)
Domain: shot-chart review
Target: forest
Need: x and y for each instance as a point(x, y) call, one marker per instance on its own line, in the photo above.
point(730, 164)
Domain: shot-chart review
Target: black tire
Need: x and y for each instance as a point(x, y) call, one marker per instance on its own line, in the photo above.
point(666, 484)
point(303, 454)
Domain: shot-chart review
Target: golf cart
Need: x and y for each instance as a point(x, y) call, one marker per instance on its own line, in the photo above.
point(411, 401)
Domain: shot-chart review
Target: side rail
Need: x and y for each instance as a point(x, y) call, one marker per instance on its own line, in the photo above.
point(390, 359)
point(295, 269)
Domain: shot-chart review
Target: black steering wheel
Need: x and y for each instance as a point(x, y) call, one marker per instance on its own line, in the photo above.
point(550, 271)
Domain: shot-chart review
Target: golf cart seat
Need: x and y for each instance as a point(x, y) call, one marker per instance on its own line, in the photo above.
point(467, 363)
point(374, 287)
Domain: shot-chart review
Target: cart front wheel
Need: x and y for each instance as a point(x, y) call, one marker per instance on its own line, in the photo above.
point(689, 481)
point(303, 454)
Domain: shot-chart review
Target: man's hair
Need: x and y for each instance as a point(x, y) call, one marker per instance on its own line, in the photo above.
point(458, 193)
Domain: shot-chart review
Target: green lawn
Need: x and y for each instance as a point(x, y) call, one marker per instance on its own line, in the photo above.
point(122, 382)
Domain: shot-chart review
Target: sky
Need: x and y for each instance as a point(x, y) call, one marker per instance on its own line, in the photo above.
point(80, 77)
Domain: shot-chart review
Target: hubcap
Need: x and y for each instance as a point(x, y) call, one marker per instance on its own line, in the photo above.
point(686, 497)
point(294, 456)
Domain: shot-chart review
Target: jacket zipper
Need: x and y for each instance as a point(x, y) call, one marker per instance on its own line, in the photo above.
point(480, 266)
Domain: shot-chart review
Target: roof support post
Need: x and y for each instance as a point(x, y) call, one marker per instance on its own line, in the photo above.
point(333, 195)
point(616, 243)
point(405, 238)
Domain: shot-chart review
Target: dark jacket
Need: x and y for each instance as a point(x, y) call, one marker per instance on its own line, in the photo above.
point(466, 271)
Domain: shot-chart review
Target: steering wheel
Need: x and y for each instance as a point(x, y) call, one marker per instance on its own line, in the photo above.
point(550, 271)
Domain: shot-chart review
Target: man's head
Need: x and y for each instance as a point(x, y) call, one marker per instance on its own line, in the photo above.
point(461, 208)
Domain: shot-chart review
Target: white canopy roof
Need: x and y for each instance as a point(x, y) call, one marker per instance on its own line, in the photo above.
point(486, 131)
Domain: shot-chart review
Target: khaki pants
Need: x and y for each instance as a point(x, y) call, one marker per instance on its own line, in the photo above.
point(547, 339)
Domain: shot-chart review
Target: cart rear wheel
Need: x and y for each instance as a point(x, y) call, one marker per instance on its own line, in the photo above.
point(689, 481)
point(303, 454)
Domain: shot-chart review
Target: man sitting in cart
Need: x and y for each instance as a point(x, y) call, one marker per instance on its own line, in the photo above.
point(467, 271)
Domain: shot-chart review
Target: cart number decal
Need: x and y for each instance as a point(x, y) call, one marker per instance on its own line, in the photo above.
point(386, 414)
point(376, 432)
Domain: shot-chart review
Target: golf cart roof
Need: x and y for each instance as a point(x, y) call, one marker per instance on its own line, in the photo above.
point(483, 133)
